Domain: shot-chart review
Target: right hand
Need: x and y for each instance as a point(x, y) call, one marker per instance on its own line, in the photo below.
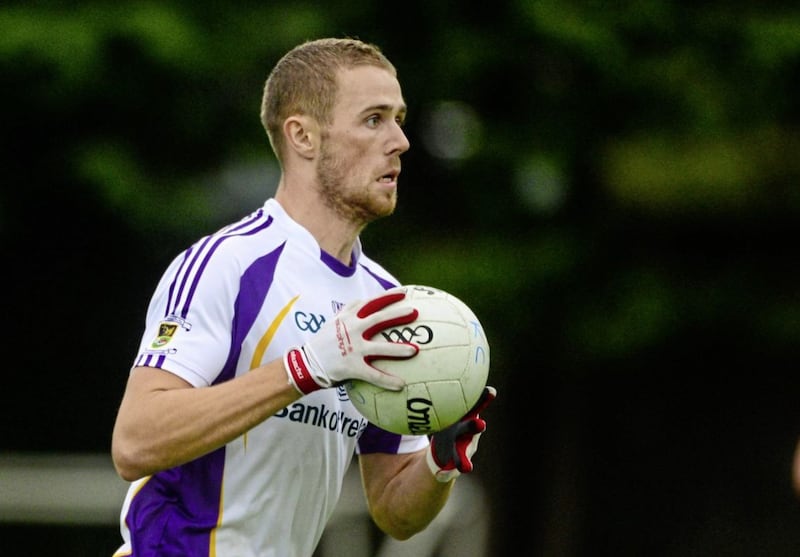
point(344, 348)
point(450, 452)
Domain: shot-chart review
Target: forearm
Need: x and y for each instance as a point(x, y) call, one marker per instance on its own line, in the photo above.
point(408, 498)
point(406, 492)
point(168, 426)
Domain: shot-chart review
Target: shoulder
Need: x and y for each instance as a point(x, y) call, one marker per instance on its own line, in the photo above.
point(218, 260)
point(245, 240)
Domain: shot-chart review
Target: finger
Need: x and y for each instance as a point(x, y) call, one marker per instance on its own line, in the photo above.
point(390, 351)
point(377, 304)
point(476, 425)
point(389, 317)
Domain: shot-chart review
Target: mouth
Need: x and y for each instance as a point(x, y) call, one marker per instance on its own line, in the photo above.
point(390, 177)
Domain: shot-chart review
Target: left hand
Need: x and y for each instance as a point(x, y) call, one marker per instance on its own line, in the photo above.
point(452, 448)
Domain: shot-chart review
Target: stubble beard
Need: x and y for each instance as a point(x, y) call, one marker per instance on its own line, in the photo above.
point(355, 205)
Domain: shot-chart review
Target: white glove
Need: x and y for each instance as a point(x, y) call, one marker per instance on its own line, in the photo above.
point(344, 349)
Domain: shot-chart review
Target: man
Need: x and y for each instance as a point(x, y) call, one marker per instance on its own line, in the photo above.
point(234, 427)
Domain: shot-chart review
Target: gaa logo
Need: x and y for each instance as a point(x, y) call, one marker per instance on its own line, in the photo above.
point(308, 321)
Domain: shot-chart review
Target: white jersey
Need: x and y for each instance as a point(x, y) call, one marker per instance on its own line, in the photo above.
point(231, 302)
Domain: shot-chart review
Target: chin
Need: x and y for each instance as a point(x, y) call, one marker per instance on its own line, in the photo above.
point(384, 205)
point(388, 209)
point(377, 212)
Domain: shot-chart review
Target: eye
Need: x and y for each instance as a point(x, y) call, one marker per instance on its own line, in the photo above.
point(373, 121)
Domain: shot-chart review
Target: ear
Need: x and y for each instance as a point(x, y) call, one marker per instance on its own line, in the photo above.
point(302, 135)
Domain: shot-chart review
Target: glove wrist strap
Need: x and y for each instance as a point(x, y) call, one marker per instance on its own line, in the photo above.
point(438, 472)
point(298, 371)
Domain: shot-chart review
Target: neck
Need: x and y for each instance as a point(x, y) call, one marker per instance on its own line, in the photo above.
point(334, 234)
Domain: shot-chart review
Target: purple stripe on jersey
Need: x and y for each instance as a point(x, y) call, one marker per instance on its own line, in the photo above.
point(174, 513)
point(383, 282)
point(254, 285)
point(147, 360)
point(208, 256)
point(376, 440)
point(247, 222)
point(185, 274)
point(187, 253)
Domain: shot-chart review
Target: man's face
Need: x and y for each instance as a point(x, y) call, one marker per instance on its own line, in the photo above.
point(360, 152)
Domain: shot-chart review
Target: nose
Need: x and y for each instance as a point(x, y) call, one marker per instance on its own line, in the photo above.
point(399, 143)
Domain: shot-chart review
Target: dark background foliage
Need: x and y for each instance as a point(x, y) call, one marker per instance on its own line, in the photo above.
point(612, 187)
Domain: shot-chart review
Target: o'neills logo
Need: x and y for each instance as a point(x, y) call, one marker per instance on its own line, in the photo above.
point(297, 365)
point(419, 415)
point(342, 338)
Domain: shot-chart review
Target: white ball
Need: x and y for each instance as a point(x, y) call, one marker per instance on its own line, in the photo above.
point(443, 380)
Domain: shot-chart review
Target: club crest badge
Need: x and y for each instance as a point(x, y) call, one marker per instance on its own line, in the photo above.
point(166, 330)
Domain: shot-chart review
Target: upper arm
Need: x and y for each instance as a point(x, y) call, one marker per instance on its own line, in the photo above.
point(137, 415)
point(145, 380)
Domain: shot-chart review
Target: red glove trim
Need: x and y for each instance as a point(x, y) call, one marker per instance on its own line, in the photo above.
point(299, 372)
point(377, 304)
point(463, 441)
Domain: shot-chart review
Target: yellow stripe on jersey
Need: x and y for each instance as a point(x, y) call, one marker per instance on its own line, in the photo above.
point(264, 341)
point(261, 347)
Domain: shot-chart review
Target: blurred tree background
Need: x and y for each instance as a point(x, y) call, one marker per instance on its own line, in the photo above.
point(613, 187)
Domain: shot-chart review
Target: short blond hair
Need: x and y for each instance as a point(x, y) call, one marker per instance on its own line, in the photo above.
point(303, 82)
